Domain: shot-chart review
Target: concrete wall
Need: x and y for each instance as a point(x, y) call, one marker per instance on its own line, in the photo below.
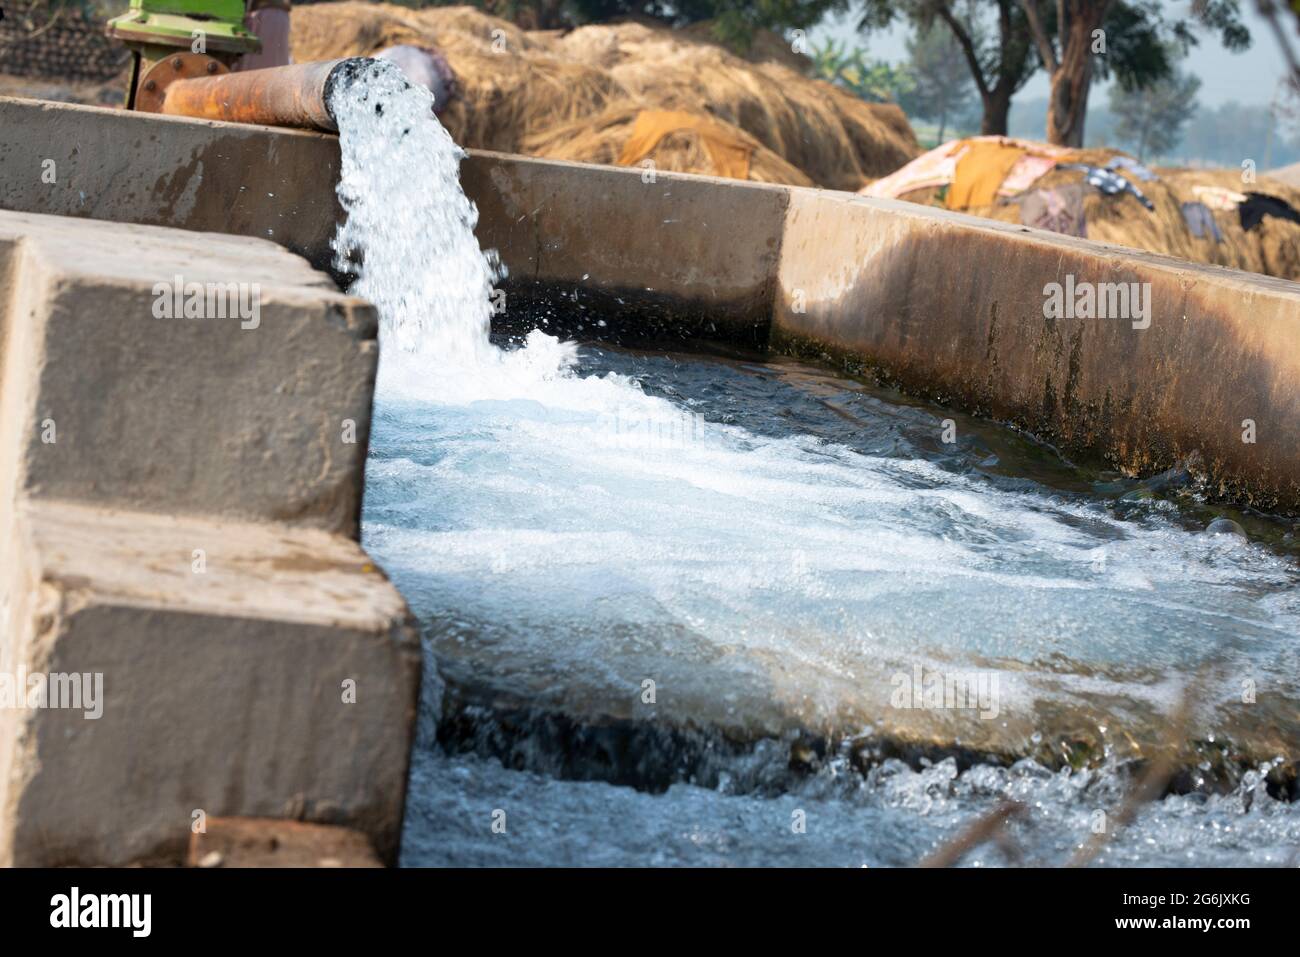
point(611, 237)
point(179, 505)
point(951, 308)
point(173, 386)
point(655, 258)
point(948, 306)
point(188, 174)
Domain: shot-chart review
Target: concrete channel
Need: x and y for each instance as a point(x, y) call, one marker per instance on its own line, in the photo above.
point(947, 306)
point(179, 502)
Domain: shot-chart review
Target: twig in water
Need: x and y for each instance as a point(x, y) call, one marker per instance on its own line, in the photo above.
point(1153, 781)
point(981, 830)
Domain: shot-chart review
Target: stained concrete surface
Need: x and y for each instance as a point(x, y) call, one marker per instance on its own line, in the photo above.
point(179, 502)
point(948, 306)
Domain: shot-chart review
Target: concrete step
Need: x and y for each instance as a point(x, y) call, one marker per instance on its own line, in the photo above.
point(112, 397)
point(188, 628)
point(260, 842)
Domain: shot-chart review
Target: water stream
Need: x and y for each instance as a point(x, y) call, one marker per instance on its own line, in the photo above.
point(670, 603)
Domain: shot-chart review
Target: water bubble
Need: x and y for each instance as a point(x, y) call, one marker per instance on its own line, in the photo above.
point(1225, 526)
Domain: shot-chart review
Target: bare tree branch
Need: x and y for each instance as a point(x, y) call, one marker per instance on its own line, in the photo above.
point(984, 828)
point(1041, 39)
point(1268, 10)
point(967, 46)
point(1153, 781)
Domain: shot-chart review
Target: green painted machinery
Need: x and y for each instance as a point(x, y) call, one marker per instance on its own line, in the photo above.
point(155, 30)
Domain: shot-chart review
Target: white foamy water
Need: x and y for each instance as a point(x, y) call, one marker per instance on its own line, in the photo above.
point(893, 817)
point(409, 238)
point(564, 533)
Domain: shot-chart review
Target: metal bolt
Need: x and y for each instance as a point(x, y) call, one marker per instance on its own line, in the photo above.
point(212, 66)
point(176, 63)
point(150, 85)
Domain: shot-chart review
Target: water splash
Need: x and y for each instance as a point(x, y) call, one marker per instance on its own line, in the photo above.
point(893, 818)
point(409, 240)
point(568, 534)
point(409, 234)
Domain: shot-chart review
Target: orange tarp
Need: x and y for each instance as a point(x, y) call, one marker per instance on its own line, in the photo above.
point(980, 172)
point(939, 167)
point(728, 152)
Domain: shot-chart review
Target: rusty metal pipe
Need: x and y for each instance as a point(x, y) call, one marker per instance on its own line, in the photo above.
point(297, 95)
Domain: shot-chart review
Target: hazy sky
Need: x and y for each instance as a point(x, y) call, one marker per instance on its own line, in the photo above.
point(1247, 77)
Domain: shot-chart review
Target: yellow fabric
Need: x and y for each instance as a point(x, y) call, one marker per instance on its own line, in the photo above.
point(979, 174)
point(728, 152)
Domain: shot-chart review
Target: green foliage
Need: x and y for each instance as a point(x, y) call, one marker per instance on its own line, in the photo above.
point(1143, 46)
point(1151, 119)
point(737, 20)
point(999, 53)
point(943, 89)
point(1136, 54)
point(1144, 38)
point(872, 80)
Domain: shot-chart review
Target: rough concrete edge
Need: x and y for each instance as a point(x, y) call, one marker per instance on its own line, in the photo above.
point(135, 116)
point(1126, 254)
point(23, 276)
point(838, 327)
point(1229, 280)
point(911, 210)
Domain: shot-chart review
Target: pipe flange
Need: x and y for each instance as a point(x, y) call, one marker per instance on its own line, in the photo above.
point(179, 66)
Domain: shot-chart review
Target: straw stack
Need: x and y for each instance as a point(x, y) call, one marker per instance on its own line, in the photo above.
point(835, 139)
point(1271, 248)
point(600, 139)
point(510, 86)
point(576, 95)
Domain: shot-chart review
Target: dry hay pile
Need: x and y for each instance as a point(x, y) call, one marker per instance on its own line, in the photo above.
point(510, 86)
point(1271, 248)
point(600, 139)
point(573, 95)
point(837, 140)
point(1286, 174)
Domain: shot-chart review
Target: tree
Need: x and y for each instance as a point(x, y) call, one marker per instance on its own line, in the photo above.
point(942, 84)
point(736, 20)
point(1071, 39)
point(1271, 11)
point(998, 60)
point(1286, 104)
point(1151, 119)
point(1136, 44)
point(872, 80)
point(1068, 61)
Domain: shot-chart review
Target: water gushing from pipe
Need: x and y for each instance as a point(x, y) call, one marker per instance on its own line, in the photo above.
point(410, 238)
point(566, 536)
